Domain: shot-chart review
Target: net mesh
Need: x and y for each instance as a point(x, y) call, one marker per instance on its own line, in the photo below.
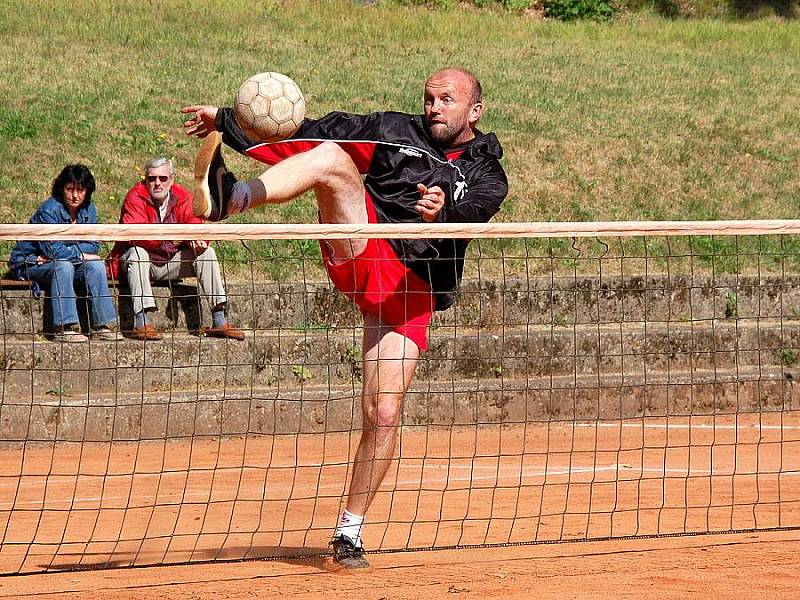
point(579, 388)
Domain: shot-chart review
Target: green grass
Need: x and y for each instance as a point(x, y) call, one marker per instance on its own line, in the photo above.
point(641, 118)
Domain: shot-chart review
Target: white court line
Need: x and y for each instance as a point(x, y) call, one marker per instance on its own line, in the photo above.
point(194, 497)
point(681, 425)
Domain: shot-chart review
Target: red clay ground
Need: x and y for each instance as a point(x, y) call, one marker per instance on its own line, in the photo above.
point(722, 567)
point(80, 506)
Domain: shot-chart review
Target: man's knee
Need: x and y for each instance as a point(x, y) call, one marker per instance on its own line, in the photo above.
point(340, 196)
point(136, 262)
point(385, 411)
point(336, 164)
point(207, 256)
point(135, 254)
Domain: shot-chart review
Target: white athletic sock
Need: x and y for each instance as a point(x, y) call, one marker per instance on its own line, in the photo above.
point(350, 525)
point(240, 198)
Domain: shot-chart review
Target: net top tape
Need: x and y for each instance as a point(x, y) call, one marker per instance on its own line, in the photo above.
point(227, 231)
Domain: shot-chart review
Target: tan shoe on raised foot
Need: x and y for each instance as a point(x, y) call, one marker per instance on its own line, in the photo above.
point(213, 183)
point(147, 333)
point(226, 331)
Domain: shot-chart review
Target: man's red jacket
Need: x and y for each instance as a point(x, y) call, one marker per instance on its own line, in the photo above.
point(138, 208)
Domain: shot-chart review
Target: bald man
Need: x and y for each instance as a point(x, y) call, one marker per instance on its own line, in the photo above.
point(386, 167)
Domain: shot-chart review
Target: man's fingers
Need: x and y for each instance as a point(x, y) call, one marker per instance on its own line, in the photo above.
point(428, 214)
point(202, 123)
point(428, 206)
point(435, 189)
point(430, 203)
point(195, 128)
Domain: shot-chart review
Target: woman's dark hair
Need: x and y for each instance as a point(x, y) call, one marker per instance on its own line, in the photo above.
point(78, 174)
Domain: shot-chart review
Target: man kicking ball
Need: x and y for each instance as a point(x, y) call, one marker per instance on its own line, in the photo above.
point(384, 167)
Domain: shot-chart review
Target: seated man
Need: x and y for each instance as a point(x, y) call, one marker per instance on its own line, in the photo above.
point(158, 199)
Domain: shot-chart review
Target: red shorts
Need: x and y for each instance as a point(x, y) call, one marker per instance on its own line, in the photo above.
point(381, 285)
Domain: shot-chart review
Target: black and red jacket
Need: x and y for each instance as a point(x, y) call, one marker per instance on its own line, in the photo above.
point(395, 152)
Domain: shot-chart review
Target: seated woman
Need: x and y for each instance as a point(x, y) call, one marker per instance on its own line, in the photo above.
point(58, 265)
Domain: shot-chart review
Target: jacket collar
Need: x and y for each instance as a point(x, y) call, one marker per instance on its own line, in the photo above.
point(63, 211)
point(144, 195)
point(485, 144)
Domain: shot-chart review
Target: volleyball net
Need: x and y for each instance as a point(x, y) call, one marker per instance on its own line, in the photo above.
point(592, 380)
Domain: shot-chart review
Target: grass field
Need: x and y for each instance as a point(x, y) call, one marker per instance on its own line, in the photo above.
point(639, 118)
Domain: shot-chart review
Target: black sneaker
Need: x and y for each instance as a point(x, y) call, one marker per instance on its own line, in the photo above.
point(213, 183)
point(347, 555)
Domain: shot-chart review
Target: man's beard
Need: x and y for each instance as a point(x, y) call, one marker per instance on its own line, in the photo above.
point(160, 198)
point(444, 136)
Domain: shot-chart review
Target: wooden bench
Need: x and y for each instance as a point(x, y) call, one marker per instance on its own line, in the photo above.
point(7, 283)
point(183, 301)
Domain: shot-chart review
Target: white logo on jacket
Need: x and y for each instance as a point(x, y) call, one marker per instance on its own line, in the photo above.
point(461, 189)
point(410, 152)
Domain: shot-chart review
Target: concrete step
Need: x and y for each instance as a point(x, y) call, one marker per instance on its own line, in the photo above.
point(181, 362)
point(313, 408)
point(486, 303)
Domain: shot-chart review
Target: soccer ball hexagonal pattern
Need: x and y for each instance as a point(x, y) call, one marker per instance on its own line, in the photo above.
point(269, 107)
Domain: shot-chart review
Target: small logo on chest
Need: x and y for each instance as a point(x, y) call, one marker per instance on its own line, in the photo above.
point(410, 152)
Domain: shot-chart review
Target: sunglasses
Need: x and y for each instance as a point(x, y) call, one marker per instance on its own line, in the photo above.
point(161, 178)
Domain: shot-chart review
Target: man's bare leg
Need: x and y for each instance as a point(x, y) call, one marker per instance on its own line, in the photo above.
point(333, 176)
point(390, 360)
point(327, 170)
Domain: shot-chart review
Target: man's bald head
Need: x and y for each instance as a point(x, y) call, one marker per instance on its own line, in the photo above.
point(453, 106)
point(464, 75)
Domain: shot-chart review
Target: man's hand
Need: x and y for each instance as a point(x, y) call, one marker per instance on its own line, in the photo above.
point(196, 245)
point(431, 202)
point(91, 257)
point(40, 260)
point(203, 121)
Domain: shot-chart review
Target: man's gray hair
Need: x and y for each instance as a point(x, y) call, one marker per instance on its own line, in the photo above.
point(158, 161)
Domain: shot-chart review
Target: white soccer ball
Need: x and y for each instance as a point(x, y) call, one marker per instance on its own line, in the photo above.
point(269, 107)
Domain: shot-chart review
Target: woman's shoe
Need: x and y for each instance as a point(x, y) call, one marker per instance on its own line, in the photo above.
point(69, 335)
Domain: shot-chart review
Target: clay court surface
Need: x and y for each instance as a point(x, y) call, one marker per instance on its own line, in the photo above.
point(82, 506)
point(724, 567)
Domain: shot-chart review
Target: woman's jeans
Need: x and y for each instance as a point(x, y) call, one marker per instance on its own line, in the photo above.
point(60, 277)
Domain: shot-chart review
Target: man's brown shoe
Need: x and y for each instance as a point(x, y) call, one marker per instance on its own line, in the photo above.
point(226, 331)
point(146, 333)
point(213, 183)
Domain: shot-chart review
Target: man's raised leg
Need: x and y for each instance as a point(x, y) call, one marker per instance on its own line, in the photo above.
point(327, 170)
point(390, 360)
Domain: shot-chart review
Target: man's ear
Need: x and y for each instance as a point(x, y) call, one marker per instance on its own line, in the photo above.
point(475, 113)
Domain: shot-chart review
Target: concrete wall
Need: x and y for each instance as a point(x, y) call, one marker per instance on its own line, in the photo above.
point(516, 351)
